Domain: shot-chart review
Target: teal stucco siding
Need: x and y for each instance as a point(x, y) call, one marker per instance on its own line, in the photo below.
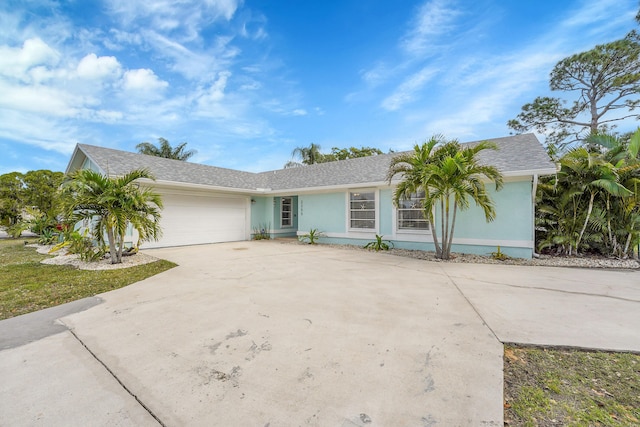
point(386, 212)
point(261, 217)
point(324, 212)
point(514, 215)
point(512, 229)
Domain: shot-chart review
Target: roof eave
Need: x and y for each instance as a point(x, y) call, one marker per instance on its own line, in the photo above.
point(530, 172)
point(207, 187)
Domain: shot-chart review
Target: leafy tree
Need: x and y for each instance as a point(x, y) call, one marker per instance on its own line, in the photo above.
point(41, 190)
point(351, 153)
point(621, 213)
point(607, 82)
point(11, 198)
point(593, 203)
point(164, 149)
point(449, 175)
point(30, 200)
point(311, 155)
point(111, 204)
point(594, 175)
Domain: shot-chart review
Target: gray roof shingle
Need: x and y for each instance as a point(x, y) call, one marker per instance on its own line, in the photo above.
point(519, 154)
point(117, 162)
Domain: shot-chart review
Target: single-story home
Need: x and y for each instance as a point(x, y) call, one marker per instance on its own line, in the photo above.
point(350, 201)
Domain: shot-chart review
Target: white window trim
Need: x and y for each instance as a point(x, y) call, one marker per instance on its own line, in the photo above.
point(398, 230)
point(376, 196)
point(290, 212)
point(407, 235)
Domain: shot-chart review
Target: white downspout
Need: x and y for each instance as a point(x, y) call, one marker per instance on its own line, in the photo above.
point(534, 191)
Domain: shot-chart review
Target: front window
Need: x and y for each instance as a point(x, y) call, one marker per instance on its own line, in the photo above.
point(411, 213)
point(285, 212)
point(362, 210)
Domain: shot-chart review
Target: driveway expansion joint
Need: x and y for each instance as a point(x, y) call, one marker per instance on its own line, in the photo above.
point(484, 322)
point(561, 291)
point(146, 408)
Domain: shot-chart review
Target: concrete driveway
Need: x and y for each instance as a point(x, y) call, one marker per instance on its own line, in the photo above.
point(275, 334)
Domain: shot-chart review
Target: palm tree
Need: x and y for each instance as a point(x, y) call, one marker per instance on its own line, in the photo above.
point(558, 210)
point(164, 149)
point(595, 175)
point(449, 175)
point(308, 155)
point(111, 204)
point(624, 210)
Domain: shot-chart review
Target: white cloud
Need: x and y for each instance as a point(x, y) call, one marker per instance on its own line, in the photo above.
point(37, 130)
point(299, 112)
point(142, 80)
point(119, 38)
point(590, 12)
point(187, 17)
point(423, 39)
point(408, 90)
point(39, 99)
point(15, 62)
point(378, 74)
point(434, 18)
point(214, 94)
point(103, 67)
point(194, 64)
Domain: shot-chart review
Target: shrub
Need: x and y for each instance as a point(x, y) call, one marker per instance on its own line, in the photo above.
point(379, 244)
point(312, 236)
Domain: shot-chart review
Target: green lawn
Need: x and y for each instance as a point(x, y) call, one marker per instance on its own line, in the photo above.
point(560, 387)
point(26, 285)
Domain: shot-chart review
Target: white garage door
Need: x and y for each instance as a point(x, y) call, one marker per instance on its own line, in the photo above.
point(195, 219)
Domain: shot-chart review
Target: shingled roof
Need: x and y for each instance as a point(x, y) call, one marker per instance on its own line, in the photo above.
point(516, 155)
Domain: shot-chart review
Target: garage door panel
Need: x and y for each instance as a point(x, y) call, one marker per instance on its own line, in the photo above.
point(192, 219)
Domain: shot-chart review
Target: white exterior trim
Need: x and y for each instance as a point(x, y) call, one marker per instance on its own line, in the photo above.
point(361, 231)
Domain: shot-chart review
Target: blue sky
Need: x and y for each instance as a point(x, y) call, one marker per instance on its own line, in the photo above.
point(244, 83)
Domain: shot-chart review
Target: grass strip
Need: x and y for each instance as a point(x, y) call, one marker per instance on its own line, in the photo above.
point(26, 285)
point(569, 387)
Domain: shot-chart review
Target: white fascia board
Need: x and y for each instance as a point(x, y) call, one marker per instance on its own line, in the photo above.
point(201, 187)
point(73, 158)
point(328, 188)
point(531, 172)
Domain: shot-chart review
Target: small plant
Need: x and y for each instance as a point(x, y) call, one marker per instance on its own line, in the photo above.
point(498, 255)
point(40, 221)
point(47, 237)
point(379, 244)
point(262, 232)
point(82, 245)
point(312, 236)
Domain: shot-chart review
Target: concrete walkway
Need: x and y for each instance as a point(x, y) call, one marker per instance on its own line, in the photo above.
point(266, 333)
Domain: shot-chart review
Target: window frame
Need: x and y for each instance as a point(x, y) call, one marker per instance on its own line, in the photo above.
point(376, 211)
point(411, 230)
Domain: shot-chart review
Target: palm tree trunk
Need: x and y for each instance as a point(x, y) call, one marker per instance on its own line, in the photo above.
point(627, 244)
point(446, 241)
point(586, 220)
point(434, 233)
point(120, 247)
point(112, 245)
point(453, 223)
point(442, 232)
point(611, 238)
